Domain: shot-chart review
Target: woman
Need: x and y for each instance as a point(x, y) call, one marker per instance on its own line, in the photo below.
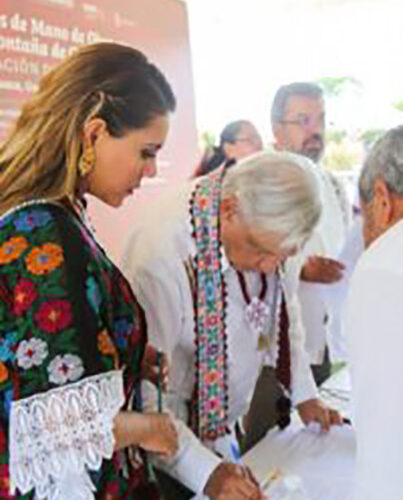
point(237, 140)
point(72, 335)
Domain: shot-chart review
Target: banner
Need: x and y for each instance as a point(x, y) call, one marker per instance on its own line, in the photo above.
point(36, 34)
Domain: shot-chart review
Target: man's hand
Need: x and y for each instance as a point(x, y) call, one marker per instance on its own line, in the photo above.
point(149, 367)
point(322, 270)
point(232, 481)
point(314, 410)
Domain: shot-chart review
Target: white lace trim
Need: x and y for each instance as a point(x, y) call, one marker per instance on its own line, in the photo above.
point(55, 437)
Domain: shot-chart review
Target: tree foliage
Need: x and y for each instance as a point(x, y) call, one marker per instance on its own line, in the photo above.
point(398, 105)
point(334, 85)
point(372, 135)
point(208, 139)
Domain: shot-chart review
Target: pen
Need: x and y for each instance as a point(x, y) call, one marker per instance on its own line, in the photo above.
point(159, 383)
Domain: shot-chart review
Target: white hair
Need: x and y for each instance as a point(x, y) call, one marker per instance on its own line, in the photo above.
point(277, 192)
point(384, 161)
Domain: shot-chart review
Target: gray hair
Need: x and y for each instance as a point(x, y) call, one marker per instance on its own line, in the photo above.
point(304, 89)
point(277, 191)
point(384, 161)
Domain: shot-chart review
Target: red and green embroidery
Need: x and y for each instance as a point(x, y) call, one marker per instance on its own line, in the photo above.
point(210, 404)
point(44, 292)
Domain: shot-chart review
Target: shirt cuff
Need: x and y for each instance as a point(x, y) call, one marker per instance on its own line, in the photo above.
point(194, 462)
point(304, 390)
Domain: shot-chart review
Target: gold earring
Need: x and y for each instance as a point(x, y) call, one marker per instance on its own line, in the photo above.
point(87, 161)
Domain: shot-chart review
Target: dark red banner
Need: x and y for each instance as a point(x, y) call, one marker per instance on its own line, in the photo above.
point(35, 34)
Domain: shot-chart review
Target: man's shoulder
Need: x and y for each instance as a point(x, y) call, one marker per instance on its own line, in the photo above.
point(385, 253)
point(161, 234)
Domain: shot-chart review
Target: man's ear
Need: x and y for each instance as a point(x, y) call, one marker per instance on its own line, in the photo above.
point(229, 207)
point(383, 204)
point(94, 128)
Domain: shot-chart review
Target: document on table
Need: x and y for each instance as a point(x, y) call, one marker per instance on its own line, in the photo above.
point(323, 461)
point(283, 487)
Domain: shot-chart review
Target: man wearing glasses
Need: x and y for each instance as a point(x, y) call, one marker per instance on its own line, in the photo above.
point(298, 125)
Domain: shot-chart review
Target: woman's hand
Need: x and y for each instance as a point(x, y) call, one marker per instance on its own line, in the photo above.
point(150, 368)
point(155, 432)
point(160, 435)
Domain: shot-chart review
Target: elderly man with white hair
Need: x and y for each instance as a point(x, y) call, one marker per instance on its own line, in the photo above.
point(206, 264)
point(375, 325)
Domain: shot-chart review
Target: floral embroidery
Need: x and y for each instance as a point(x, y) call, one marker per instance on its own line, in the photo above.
point(90, 241)
point(8, 399)
point(107, 347)
point(4, 481)
point(54, 315)
point(105, 344)
point(67, 368)
point(134, 333)
point(12, 249)
point(212, 320)
point(44, 259)
point(6, 347)
point(210, 396)
point(31, 219)
point(24, 295)
point(3, 445)
point(3, 372)
point(93, 293)
point(39, 344)
point(31, 353)
point(214, 405)
point(122, 331)
point(126, 290)
point(211, 377)
point(106, 279)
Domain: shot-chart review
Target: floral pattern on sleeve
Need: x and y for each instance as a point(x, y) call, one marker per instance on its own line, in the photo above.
point(66, 313)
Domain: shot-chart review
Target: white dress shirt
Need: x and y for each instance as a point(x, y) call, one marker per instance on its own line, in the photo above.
point(159, 246)
point(336, 293)
point(327, 241)
point(375, 328)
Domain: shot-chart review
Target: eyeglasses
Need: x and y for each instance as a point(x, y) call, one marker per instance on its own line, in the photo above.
point(306, 121)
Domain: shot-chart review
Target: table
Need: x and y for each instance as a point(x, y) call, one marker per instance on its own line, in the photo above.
point(323, 461)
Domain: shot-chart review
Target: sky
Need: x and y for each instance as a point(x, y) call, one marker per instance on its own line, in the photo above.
point(243, 50)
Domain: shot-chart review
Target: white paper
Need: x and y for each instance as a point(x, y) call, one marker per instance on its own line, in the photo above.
point(323, 461)
point(285, 487)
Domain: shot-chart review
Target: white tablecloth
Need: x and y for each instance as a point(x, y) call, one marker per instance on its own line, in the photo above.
point(323, 461)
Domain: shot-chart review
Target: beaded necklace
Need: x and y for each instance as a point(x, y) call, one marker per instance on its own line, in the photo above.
point(258, 312)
